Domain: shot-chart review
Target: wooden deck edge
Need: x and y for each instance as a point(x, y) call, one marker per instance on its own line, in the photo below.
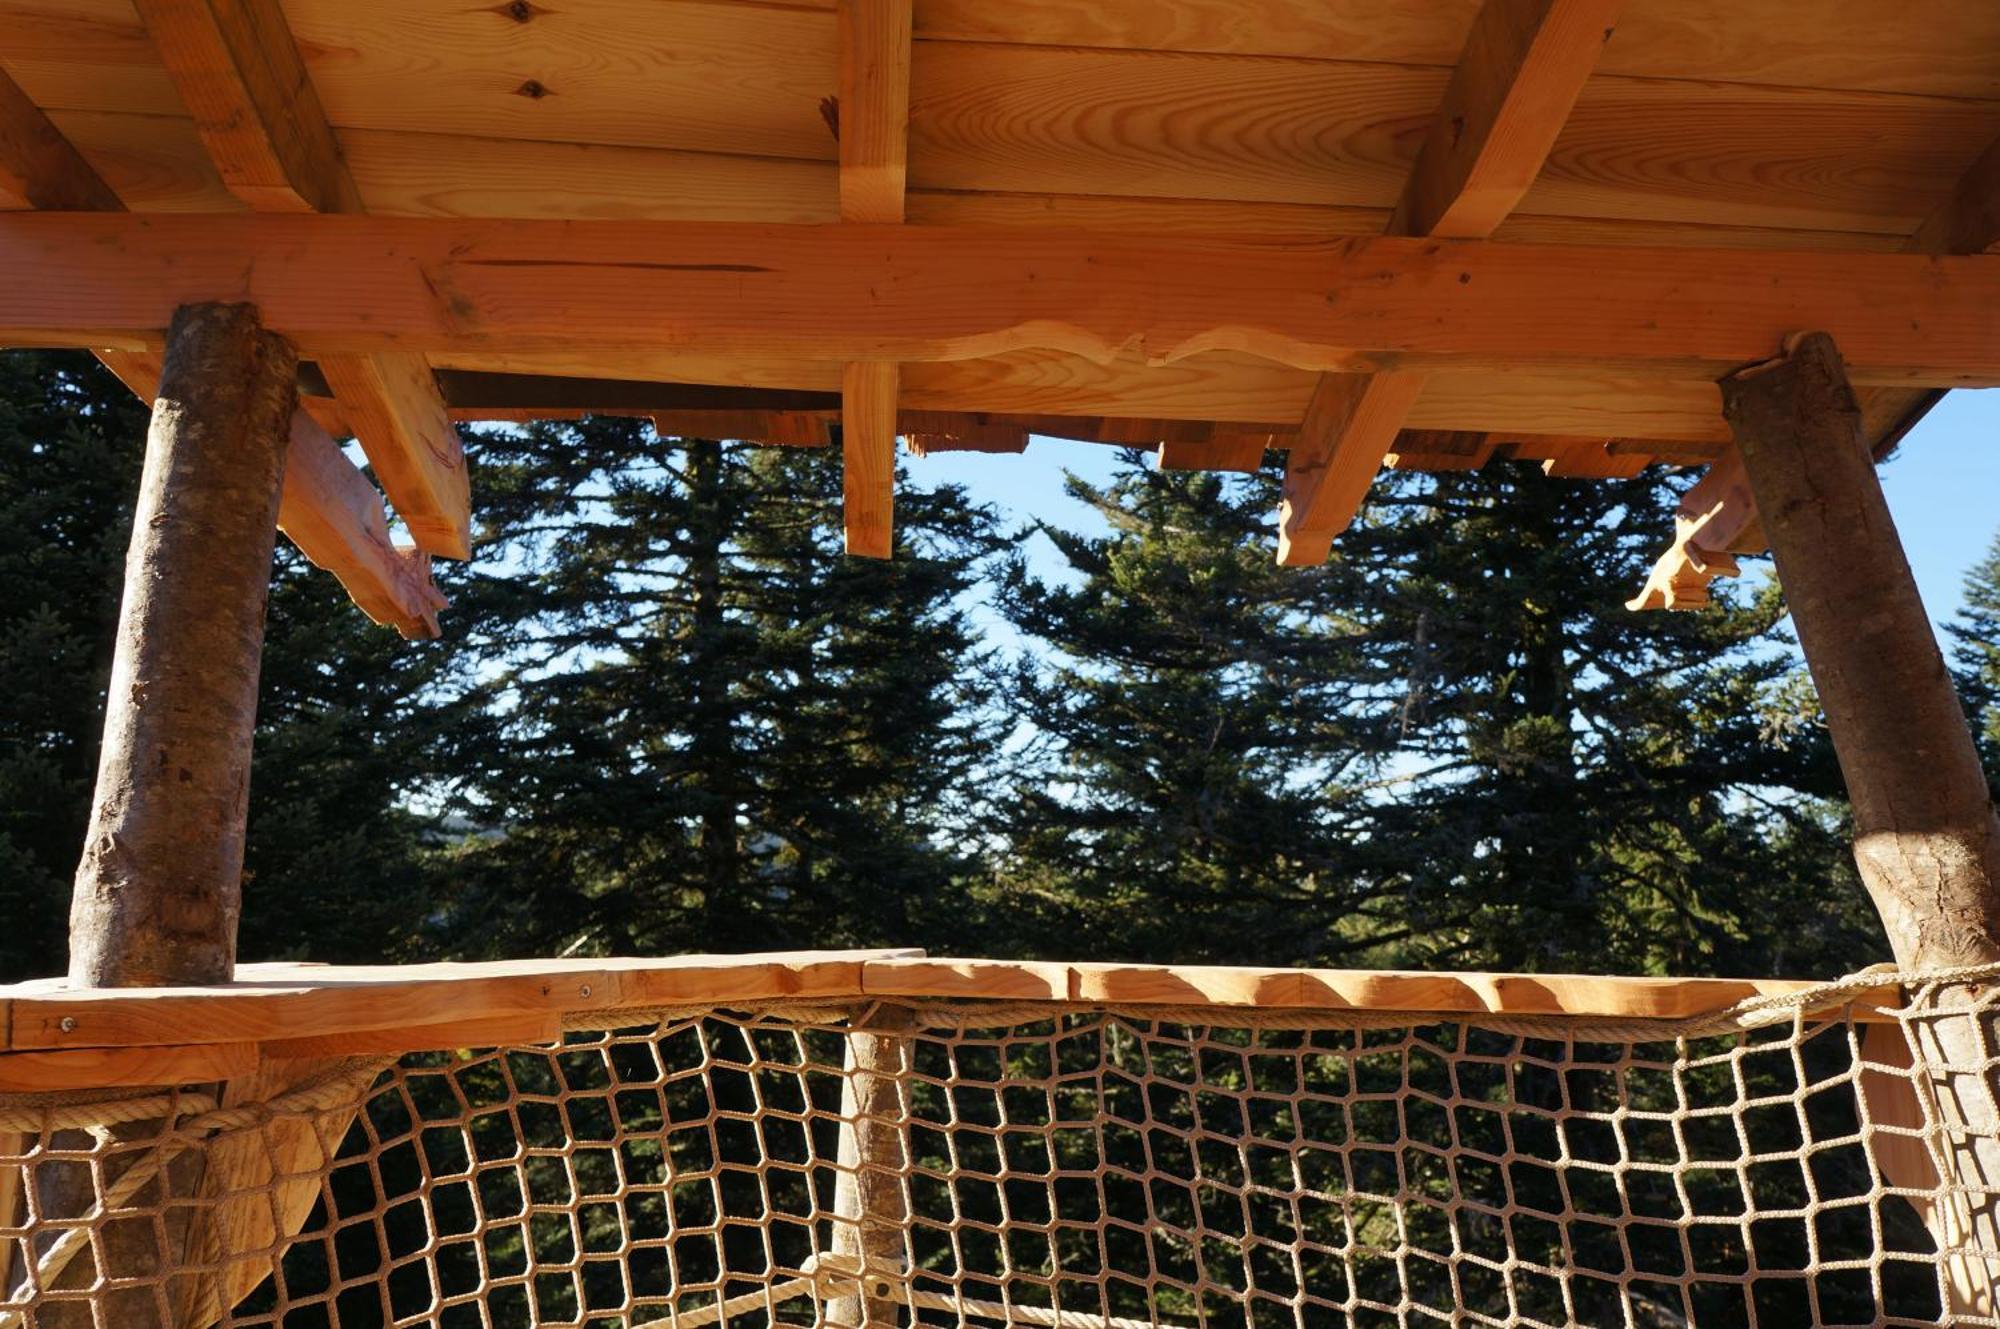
point(291, 1010)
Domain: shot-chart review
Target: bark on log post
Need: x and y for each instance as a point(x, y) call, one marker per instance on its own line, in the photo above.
point(871, 1209)
point(1927, 839)
point(159, 889)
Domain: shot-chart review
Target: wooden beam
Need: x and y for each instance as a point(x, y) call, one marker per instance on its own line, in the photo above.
point(836, 293)
point(874, 43)
point(1718, 516)
point(38, 166)
point(393, 405)
point(240, 74)
point(868, 456)
point(1523, 66)
point(1349, 428)
point(874, 39)
point(334, 515)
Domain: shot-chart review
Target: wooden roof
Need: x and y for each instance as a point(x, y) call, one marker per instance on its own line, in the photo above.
point(1422, 234)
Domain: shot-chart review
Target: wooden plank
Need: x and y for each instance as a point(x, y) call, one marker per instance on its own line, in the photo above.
point(38, 167)
point(315, 1009)
point(288, 1001)
point(121, 1067)
point(393, 405)
point(1938, 47)
point(1143, 125)
point(239, 74)
point(362, 284)
point(334, 515)
point(1593, 459)
point(868, 457)
point(1223, 452)
point(1524, 64)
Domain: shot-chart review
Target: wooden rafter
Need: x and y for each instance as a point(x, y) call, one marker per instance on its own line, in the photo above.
point(330, 511)
point(1221, 451)
point(874, 119)
point(1523, 66)
point(240, 74)
point(343, 285)
point(1718, 516)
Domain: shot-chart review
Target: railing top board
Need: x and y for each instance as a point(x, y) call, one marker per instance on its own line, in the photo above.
point(313, 1009)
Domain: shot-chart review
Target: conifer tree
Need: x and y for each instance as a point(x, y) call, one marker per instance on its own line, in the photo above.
point(714, 731)
point(1600, 788)
point(1201, 733)
point(1975, 637)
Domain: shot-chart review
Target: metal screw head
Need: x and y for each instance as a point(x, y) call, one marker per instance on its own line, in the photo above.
point(583, 991)
point(68, 1024)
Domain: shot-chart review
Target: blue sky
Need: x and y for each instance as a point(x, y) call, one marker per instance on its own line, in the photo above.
point(1943, 487)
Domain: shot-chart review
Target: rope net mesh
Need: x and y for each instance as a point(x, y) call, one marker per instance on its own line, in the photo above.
point(1066, 1167)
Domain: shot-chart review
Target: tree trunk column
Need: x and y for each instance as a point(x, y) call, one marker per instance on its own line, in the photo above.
point(160, 886)
point(1927, 840)
point(870, 1207)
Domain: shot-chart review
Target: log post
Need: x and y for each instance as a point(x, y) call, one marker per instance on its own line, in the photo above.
point(870, 1207)
point(160, 886)
point(1927, 839)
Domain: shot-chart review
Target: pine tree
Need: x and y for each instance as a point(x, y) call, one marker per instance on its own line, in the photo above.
point(1201, 737)
point(1975, 637)
point(713, 731)
point(1599, 787)
point(71, 439)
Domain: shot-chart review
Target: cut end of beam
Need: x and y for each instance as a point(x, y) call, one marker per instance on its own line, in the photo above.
point(393, 405)
point(868, 455)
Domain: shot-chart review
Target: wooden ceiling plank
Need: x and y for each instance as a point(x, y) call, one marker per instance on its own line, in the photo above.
point(240, 73)
point(874, 121)
point(39, 168)
point(1524, 65)
point(347, 285)
point(333, 514)
point(1718, 516)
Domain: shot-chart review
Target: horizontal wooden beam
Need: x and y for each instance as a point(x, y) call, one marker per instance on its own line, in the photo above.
point(862, 292)
point(303, 1001)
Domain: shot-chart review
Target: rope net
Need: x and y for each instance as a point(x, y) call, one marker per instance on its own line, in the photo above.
point(1060, 1167)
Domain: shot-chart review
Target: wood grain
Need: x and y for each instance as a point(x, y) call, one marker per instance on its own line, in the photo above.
point(240, 76)
point(392, 404)
point(354, 284)
point(123, 1067)
point(38, 166)
point(692, 75)
point(868, 457)
point(1350, 425)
